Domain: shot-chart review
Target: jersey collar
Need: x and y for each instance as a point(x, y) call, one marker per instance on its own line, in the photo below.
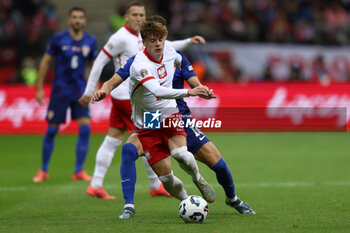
point(131, 31)
point(151, 58)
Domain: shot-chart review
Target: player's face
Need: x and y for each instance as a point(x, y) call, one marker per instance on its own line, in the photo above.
point(154, 45)
point(77, 20)
point(135, 17)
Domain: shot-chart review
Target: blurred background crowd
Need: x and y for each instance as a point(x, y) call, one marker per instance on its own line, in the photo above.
point(27, 25)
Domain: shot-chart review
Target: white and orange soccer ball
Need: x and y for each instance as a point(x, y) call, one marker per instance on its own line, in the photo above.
point(194, 209)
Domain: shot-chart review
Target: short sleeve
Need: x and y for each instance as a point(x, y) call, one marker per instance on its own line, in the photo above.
point(52, 47)
point(186, 67)
point(124, 72)
point(93, 53)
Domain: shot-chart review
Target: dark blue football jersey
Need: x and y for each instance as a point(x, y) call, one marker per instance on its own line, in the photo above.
point(72, 58)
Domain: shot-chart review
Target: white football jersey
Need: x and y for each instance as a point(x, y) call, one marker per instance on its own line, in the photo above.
point(143, 68)
point(122, 45)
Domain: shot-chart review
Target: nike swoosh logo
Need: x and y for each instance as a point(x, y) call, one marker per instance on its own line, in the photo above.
point(201, 138)
point(162, 83)
point(125, 180)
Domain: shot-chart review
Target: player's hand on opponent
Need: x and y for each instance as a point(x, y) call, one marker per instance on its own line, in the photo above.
point(40, 96)
point(202, 91)
point(197, 40)
point(98, 96)
point(84, 100)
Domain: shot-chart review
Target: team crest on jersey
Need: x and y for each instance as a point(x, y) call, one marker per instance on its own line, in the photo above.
point(65, 47)
point(144, 73)
point(161, 72)
point(85, 50)
point(110, 46)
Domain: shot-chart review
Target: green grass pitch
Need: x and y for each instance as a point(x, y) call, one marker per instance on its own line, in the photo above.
point(296, 182)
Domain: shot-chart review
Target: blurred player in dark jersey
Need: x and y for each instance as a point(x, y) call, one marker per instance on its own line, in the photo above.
point(74, 51)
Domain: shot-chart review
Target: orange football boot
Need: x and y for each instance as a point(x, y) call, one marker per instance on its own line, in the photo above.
point(40, 176)
point(82, 175)
point(98, 193)
point(159, 192)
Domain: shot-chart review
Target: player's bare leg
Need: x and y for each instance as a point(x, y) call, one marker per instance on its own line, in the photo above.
point(186, 160)
point(209, 155)
point(156, 187)
point(104, 159)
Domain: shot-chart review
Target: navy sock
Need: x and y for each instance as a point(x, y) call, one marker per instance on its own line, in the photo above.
point(128, 171)
point(224, 177)
point(82, 147)
point(48, 145)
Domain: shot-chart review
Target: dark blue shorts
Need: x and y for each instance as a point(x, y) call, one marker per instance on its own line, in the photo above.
point(195, 139)
point(58, 107)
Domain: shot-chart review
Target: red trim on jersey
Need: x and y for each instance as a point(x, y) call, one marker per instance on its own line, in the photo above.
point(151, 58)
point(120, 60)
point(142, 82)
point(107, 53)
point(131, 31)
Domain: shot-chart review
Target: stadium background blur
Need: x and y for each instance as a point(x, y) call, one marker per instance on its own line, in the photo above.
point(26, 26)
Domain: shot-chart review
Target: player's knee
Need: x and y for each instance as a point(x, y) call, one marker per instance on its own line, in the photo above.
point(180, 153)
point(51, 131)
point(129, 152)
point(84, 130)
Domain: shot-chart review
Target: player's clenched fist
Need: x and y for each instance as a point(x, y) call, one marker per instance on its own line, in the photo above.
point(202, 91)
point(98, 96)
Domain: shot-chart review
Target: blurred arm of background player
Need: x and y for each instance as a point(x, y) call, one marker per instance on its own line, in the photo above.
point(101, 60)
point(43, 68)
point(182, 44)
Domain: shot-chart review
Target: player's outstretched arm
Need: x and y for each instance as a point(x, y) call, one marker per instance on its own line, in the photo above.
point(194, 82)
point(197, 40)
point(202, 91)
point(182, 44)
point(43, 68)
point(96, 70)
point(107, 87)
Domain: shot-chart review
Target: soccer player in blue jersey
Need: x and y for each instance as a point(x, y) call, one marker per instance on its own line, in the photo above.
point(75, 51)
point(197, 143)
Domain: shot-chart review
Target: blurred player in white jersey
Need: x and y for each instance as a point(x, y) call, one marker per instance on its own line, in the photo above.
point(151, 78)
point(123, 44)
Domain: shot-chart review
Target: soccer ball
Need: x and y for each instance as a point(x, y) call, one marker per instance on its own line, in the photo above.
point(193, 209)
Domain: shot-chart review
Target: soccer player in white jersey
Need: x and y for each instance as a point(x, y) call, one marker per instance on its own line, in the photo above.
point(123, 44)
point(151, 76)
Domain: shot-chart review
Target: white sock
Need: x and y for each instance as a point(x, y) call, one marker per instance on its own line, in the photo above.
point(174, 186)
point(154, 181)
point(187, 162)
point(233, 199)
point(129, 205)
point(104, 158)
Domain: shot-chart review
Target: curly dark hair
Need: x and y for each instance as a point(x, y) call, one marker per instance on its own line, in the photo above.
point(154, 26)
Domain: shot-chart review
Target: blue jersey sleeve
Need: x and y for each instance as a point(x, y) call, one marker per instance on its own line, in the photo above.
point(124, 71)
point(186, 67)
point(93, 52)
point(52, 48)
